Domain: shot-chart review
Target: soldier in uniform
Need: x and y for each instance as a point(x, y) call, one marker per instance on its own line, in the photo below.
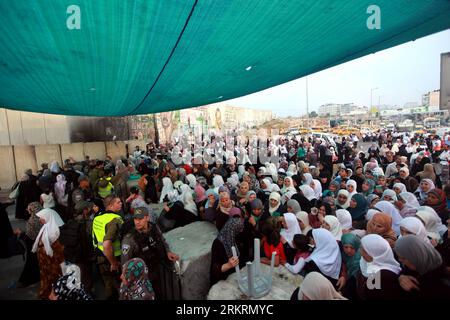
point(146, 241)
point(106, 239)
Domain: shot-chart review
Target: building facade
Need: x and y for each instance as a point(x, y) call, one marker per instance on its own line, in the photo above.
point(337, 110)
point(444, 99)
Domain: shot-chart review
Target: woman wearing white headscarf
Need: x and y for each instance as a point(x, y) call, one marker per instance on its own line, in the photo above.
point(388, 208)
point(183, 189)
point(432, 222)
point(262, 171)
point(326, 257)
point(191, 180)
point(292, 169)
point(233, 180)
point(407, 204)
point(241, 171)
point(413, 225)
point(167, 187)
point(303, 221)
point(266, 185)
point(370, 213)
point(291, 228)
point(424, 187)
point(275, 205)
point(176, 214)
point(399, 188)
point(307, 179)
point(54, 167)
point(351, 188)
point(389, 195)
point(189, 203)
point(343, 199)
point(49, 249)
point(272, 169)
point(60, 190)
point(345, 219)
point(217, 183)
point(331, 223)
point(275, 188)
point(287, 196)
point(378, 262)
point(308, 192)
point(288, 185)
point(316, 287)
point(317, 188)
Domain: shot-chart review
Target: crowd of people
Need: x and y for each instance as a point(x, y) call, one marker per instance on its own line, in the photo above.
point(356, 224)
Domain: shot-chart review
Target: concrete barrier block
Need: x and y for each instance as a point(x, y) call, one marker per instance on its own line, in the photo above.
point(284, 284)
point(95, 150)
point(47, 153)
point(116, 150)
point(193, 244)
point(25, 158)
point(74, 150)
point(8, 172)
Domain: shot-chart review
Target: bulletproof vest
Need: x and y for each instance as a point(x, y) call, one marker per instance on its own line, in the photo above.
point(150, 246)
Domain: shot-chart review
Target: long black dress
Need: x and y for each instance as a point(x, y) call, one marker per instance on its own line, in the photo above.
point(6, 232)
point(28, 192)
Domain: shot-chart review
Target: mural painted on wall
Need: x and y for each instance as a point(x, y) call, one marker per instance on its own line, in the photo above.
point(169, 122)
point(218, 119)
point(141, 127)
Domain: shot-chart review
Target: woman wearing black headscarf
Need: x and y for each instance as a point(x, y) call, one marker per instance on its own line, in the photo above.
point(28, 192)
point(423, 272)
point(223, 261)
point(304, 203)
point(419, 165)
point(297, 181)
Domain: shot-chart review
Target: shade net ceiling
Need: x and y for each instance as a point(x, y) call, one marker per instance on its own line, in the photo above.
point(144, 56)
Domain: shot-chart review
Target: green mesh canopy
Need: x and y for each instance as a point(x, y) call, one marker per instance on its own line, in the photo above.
point(145, 56)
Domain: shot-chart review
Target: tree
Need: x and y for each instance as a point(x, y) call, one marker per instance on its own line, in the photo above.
point(313, 114)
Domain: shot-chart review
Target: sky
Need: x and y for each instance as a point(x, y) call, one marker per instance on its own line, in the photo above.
point(401, 74)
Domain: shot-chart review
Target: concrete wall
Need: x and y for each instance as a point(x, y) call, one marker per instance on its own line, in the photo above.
point(95, 150)
point(25, 158)
point(15, 127)
point(16, 159)
point(8, 172)
point(33, 125)
point(30, 128)
point(4, 132)
point(116, 150)
point(56, 128)
point(47, 153)
point(74, 150)
point(133, 143)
